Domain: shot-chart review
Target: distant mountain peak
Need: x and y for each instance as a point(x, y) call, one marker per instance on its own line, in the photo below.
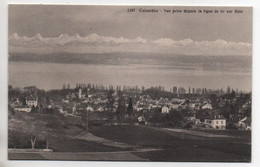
point(14, 36)
point(38, 37)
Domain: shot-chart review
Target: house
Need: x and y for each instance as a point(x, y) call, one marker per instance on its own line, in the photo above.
point(31, 101)
point(192, 119)
point(24, 109)
point(81, 95)
point(59, 108)
point(178, 100)
point(14, 102)
point(90, 96)
point(74, 109)
point(163, 101)
point(175, 105)
point(149, 99)
point(236, 117)
point(89, 108)
point(245, 123)
point(49, 106)
point(150, 106)
point(192, 105)
point(165, 110)
point(65, 100)
point(100, 109)
point(206, 106)
point(197, 106)
point(216, 122)
point(137, 108)
point(141, 119)
point(86, 101)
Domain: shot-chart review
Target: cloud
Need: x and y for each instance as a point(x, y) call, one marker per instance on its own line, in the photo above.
point(95, 43)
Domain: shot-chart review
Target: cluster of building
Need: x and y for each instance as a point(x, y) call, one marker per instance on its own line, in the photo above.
point(27, 107)
point(78, 102)
point(146, 102)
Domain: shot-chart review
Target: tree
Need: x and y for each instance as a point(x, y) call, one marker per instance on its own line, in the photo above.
point(130, 110)
point(13, 92)
point(214, 100)
point(121, 109)
point(31, 128)
point(228, 90)
point(110, 103)
point(188, 125)
point(229, 109)
point(23, 100)
point(10, 111)
point(34, 109)
point(202, 114)
point(166, 119)
point(248, 111)
point(32, 138)
point(175, 117)
point(233, 94)
point(48, 100)
point(156, 117)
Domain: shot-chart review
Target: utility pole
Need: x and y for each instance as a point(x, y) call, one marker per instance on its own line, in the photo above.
point(84, 116)
point(87, 119)
point(182, 133)
point(182, 127)
point(48, 132)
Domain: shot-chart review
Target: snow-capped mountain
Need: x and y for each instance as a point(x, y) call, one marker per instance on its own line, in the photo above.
point(100, 44)
point(64, 39)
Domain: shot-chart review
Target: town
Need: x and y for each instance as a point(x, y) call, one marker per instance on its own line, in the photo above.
point(129, 83)
point(99, 105)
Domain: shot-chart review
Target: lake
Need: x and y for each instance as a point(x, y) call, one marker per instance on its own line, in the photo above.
point(54, 75)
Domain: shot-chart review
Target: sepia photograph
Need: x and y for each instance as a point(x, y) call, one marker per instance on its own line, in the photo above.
point(129, 83)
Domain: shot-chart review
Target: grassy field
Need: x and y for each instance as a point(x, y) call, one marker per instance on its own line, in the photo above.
point(174, 146)
point(59, 129)
point(234, 133)
point(68, 144)
point(188, 149)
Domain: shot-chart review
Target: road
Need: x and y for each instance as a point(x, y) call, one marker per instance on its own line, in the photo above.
point(80, 156)
point(195, 133)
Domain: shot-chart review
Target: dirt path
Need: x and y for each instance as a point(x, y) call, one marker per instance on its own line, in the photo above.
point(82, 156)
point(135, 148)
point(195, 133)
point(90, 137)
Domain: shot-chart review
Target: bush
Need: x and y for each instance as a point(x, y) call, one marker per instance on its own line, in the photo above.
point(41, 144)
point(231, 126)
point(80, 126)
point(188, 125)
point(17, 140)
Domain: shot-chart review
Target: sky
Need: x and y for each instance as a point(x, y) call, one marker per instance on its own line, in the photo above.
point(42, 29)
point(142, 31)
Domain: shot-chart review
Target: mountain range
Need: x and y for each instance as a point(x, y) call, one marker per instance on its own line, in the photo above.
point(94, 43)
point(65, 39)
